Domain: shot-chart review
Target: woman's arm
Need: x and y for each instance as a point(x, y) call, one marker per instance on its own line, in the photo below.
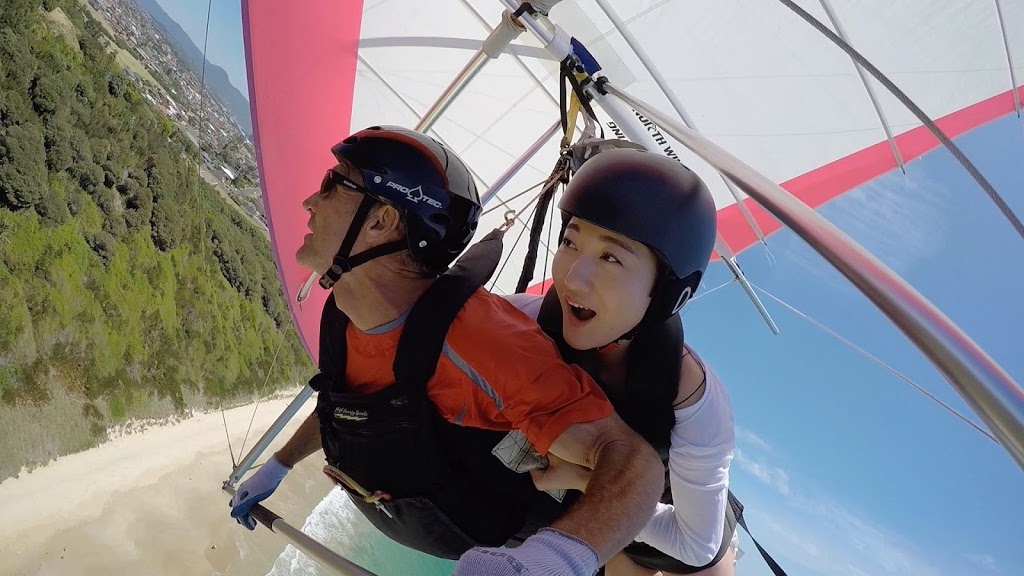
point(703, 441)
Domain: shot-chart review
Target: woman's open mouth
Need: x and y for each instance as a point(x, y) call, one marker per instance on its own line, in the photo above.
point(580, 312)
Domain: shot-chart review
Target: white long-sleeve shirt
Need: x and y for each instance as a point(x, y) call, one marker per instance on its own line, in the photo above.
point(702, 444)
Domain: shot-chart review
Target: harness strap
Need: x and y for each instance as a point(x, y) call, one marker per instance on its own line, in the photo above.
point(420, 345)
point(422, 339)
point(737, 509)
point(649, 352)
point(343, 260)
point(340, 477)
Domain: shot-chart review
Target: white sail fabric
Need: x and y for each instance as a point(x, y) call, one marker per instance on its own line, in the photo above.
point(755, 78)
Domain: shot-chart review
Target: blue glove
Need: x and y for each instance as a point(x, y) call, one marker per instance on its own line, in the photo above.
point(549, 552)
point(257, 488)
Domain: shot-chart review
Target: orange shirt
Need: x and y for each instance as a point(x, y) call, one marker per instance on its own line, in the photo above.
point(498, 371)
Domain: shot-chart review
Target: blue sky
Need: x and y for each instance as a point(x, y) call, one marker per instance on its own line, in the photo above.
point(224, 47)
point(846, 470)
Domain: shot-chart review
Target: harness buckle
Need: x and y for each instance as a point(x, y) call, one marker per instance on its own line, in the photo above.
point(341, 266)
point(383, 509)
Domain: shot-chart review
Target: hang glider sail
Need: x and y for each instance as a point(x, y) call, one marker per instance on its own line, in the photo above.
point(756, 79)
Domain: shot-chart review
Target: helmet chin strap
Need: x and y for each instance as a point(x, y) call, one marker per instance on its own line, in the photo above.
point(343, 262)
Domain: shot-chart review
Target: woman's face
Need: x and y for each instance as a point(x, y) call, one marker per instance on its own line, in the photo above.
point(604, 283)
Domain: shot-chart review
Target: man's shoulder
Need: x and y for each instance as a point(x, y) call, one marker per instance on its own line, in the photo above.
point(490, 320)
point(486, 310)
point(528, 304)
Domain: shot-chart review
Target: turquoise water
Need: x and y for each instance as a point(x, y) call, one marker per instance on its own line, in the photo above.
point(337, 524)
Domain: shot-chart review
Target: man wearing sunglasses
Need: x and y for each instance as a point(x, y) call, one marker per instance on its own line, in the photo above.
point(411, 439)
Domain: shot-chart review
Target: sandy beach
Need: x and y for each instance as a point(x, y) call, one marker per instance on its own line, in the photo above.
point(151, 503)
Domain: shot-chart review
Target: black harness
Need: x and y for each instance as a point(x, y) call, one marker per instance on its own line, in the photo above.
point(435, 486)
point(645, 404)
point(424, 482)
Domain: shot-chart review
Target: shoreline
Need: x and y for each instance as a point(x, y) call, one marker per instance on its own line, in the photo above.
point(150, 494)
point(140, 425)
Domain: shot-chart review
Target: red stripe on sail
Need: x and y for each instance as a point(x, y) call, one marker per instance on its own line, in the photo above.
point(834, 179)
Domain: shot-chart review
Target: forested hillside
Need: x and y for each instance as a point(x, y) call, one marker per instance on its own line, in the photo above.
point(126, 280)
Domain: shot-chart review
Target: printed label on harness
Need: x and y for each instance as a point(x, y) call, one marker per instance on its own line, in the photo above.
point(342, 413)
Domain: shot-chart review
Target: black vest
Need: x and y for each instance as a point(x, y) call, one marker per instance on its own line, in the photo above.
point(645, 405)
point(653, 369)
point(443, 491)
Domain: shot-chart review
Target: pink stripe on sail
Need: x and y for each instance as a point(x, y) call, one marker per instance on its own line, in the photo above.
point(301, 62)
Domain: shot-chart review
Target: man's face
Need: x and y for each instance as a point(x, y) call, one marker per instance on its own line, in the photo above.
point(330, 214)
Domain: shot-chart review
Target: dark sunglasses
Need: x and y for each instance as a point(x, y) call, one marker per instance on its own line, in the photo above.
point(332, 179)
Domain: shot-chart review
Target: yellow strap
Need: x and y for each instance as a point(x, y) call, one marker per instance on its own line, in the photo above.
point(573, 113)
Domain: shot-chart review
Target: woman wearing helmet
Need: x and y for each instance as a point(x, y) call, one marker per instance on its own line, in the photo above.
point(638, 230)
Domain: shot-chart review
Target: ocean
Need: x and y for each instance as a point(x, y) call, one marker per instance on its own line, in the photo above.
point(337, 524)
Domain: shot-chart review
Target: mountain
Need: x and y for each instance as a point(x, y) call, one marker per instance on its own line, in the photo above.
point(216, 78)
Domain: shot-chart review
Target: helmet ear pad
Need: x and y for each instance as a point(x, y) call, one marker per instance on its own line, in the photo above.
point(671, 293)
point(434, 242)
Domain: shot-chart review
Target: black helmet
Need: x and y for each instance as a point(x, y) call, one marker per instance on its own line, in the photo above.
point(657, 201)
point(425, 181)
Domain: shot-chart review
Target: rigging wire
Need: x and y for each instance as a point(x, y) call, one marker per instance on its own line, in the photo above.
point(715, 289)
point(199, 202)
point(259, 397)
point(516, 215)
point(551, 225)
point(202, 223)
point(280, 344)
point(876, 360)
point(518, 238)
point(505, 202)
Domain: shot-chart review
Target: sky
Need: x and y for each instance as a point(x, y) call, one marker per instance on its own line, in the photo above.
point(224, 46)
point(844, 469)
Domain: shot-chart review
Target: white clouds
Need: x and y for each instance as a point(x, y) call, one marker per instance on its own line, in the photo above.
point(746, 437)
point(869, 547)
point(773, 476)
point(900, 220)
point(824, 535)
point(986, 561)
point(809, 552)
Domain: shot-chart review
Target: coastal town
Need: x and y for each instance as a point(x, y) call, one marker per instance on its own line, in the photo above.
point(156, 64)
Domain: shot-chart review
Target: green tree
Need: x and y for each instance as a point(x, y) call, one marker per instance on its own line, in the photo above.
point(117, 85)
point(130, 277)
point(17, 14)
point(57, 136)
point(48, 94)
point(102, 243)
point(22, 166)
point(53, 206)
